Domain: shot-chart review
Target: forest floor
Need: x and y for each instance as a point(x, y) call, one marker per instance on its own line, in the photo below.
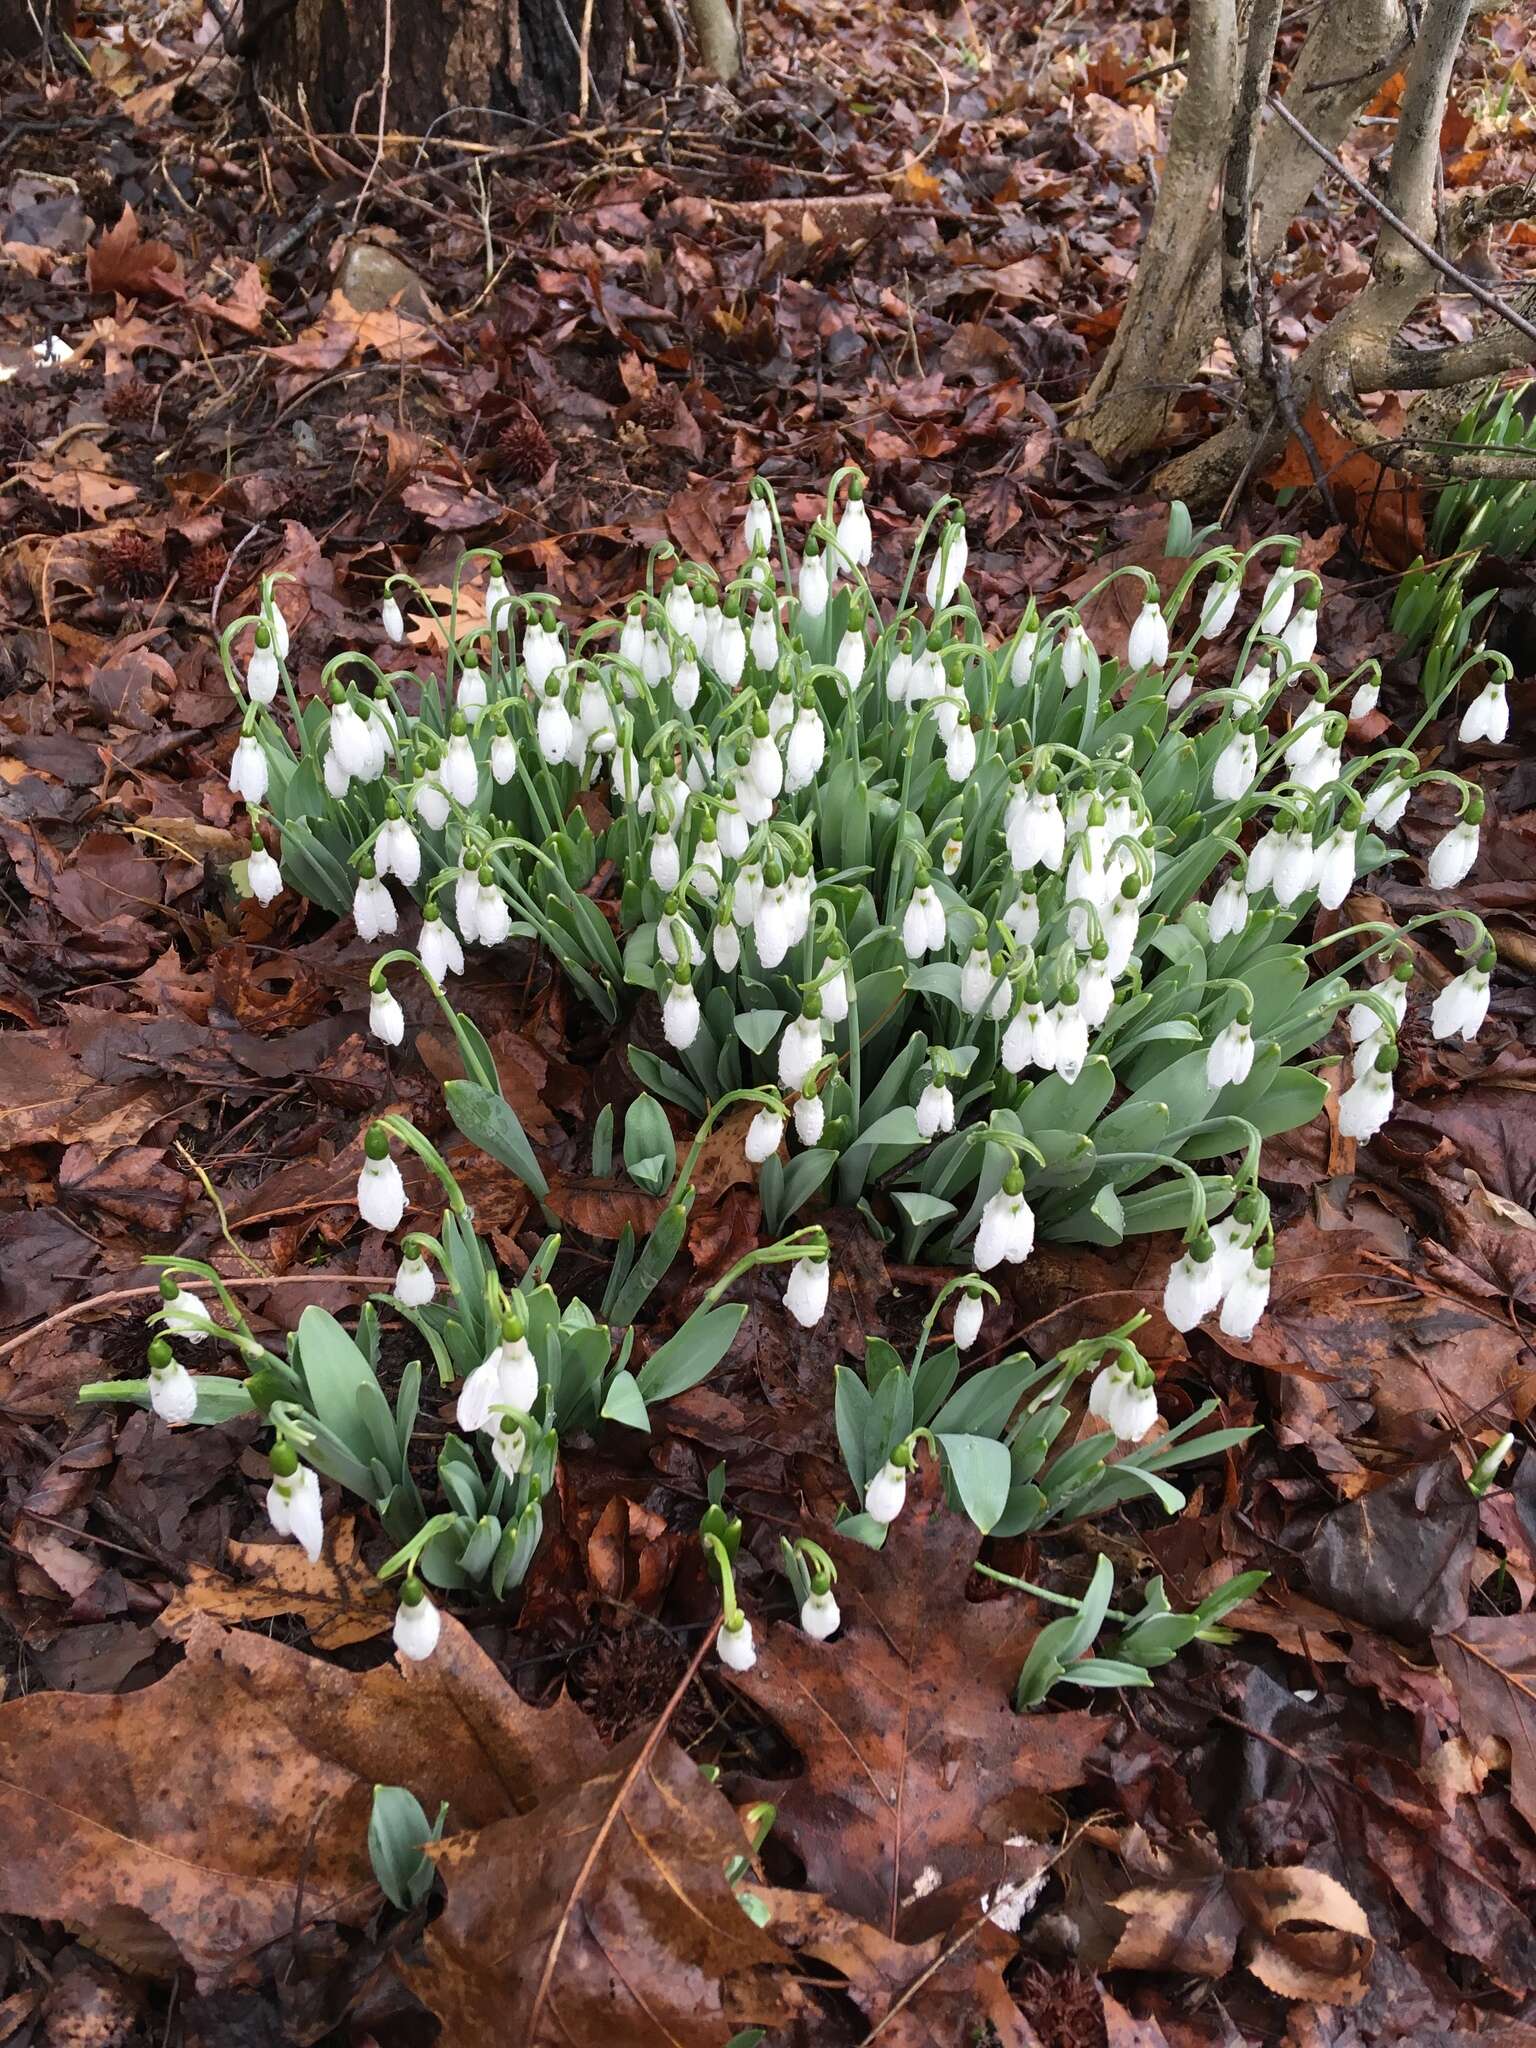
point(905, 242)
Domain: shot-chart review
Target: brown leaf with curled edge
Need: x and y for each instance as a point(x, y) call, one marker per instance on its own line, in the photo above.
point(1491, 1664)
point(1301, 1933)
point(121, 261)
point(195, 1819)
point(601, 1208)
point(928, 1994)
point(604, 1915)
point(916, 1765)
point(338, 1598)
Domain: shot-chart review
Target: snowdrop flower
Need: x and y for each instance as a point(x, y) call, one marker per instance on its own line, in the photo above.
point(1021, 662)
point(466, 895)
point(1335, 868)
point(509, 1447)
point(182, 1315)
point(1193, 1288)
point(771, 926)
point(1147, 646)
point(1229, 910)
point(493, 920)
point(757, 526)
point(922, 927)
point(946, 573)
point(632, 647)
point(418, 1624)
point(1452, 858)
point(1367, 1103)
point(1075, 650)
point(820, 1615)
point(1385, 805)
point(460, 772)
point(1295, 868)
point(764, 640)
point(414, 1283)
point(263, 873)
point(1007, 1227)
point(554, 724)
point(508, 1377)
point(976, 979)
point(949, 859)
point(968, 1314)
point(293, 1501)
point(471, 694)
point(1279, 596)
point(765, 1133)
point(503, 759)
point(1122, 1399)
point(392, 618)
point(1071, 1047)
point(673, 932)
point(960, 754)
point(1247, 1295)
point(935, 1110)
point(814, 583)
point(248, 770)
point(807, 1288)
point(1021, 920)
point(1299, 634)
point(680, 1012)
point(1461, 1007)
point(800, 1046)
point(429, 801)
point(498, 599)
point(1035, 830)
point(263, 675)
point(350, 741)
point(386, 1019)
point(886, 1494)
point(685, 680)
point(373, 909)
point(730, 650)
point(666, 862)
point(1230, 1058)
point(1236, 766)
point(172, 1390)
point(1364, 1022)
point(1363, 702)
point(807, 748)
point(810, 1119)
point(737, 1650)
point(725, 946)
point(1486, 717)
point(834, 991)
point(542, 652)
point(681, 608)
point(854, 535)
point(397, 851)
point(1180, 690)
point(380, 1188)
point(1220, 604)
point(337, 778)
point(898, 676)
point(438, 947)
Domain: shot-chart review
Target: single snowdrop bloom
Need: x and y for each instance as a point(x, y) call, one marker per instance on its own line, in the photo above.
point(1035, 829)
point(772, 930)
point(429, 801)
point(737, 1650)
point(1007, 1227)
point(1021, 662)
point(248, 770)
point(757, 526)
point(438, 946)
point(1229, 910)
point(898, 675)
point(1236, 766)
point(380, 1187)
point(764, 639)
point(1366, 1103)
point(675, 936)
point(418, 1623)
point(922, 926)
point(1123, 1397)
point(1364, 1021)
point(1452, 858)
point(960, 754)
point(386, 1019)
point(397, 850)
point(949, 858)
point(1385, 805)
point(1363, 702)
point(946, 572)
point(810, 1119)
point(725, 945)
point(976, 979)
point(1220, 604)
point(1299, 634)
point(172, 1389)
point(554, 726)
point(1247, 1294)
point(807, 748)
point(1461, 1008)
point(1279, 595)
point(820, 1615)
point(272, 618)
point(503, 759)
point(681, 608)
point(542, 651)
point(685, 680)
point(337, 777)
point(1147, 645)
point(666, 862)
point(854, 535)
point(181, 1314)
point(1486, 717)
point(460, 771)
point(293, 1501)
point(509, 1447)
point(1071, 1047)
point(350, 741)
point(373, 909)
point(466, 895)
point(493, 919)
point(1180, 690)
point(815, 587)
point(392, 618)
point(508, 1377)
point(968, 1315)
point(1230, 1058)
point(1335, 867)
point(835, 991)
point(263, 675)
point(935, 1110)
point(800, 1046)
point(680, 1012)
point(730, 649)
point(765, 1133)
point(1021, 920)
point(1295, 868)
point(1076, 648)
point(263, 873)
point(1193, 1287)
point(414, 1282)
point(886, 1494)
point(807, 1289)
point(632, 648)
point(471, 695)
point(499, 607)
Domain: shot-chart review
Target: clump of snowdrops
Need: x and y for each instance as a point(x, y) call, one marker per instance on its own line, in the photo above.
point(999, 937)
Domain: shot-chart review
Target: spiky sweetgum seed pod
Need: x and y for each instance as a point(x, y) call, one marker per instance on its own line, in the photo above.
point(526, 449)
point(202, 568)
point(135, 562)
point(131, 400)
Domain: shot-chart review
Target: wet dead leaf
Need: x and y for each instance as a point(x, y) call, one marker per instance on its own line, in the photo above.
point(338, 1599)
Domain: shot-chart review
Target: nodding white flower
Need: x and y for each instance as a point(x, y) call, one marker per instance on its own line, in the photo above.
point(1230, 1058)
point(708, 868)
point(1017, 1050)
point(1006, 1230)
point(668, 930)
point(954, 847)
point(338, 778)
point(632, 650)
point(725, 945)
point(429, 800)
point(624, 773)
point(854, 534)
point(1486, 717)
point(1122, 928)
point(397, 851)
point(960, 754)
point(439, 950)
point(1192, 1291)
point(1180, 690)
point(509, 1447)
point(666, 862)
point(852, 653)
point(293, 1509)
point(737, 1650)
point(554, 725)
point(1118, 1399)
point(392, 618)
point(1295, 867)
point(1035, 830)
point(264, 875)
point(1246, 1298)
point(1452, 858)
point(681, 608)
point(976, 979)
point(968, 1315)
point(1147, 645)
point(935, 1110)
point(471, 694)
point(1229, 910)
point(172, 1392)
point(380, 1193)
point(1236, 766)
point(386, 1019)
point(1335, 867)
point(946, 572)
point(799, 1050)
point(1363, 702)
point(1095, 993)
point(418, 1624)
point(1075, 650)
point(1250, 691)
point(1021, 920)
point(1365, 1023)
point(680, 1016)
point(886, 1494)
point(1319, 770)
point(771, 926)
point(1366, 1103)
point(922, 927)
point(373, 910)
point(1385, 805)
point(498, 600)
point(806, 1291)
point(815, 586)
point(1220, 604)
point(685, 683)
point(764, 639)
point(1299, 636)
point(1461, 1007)
point(730, 652)
point(810, 1119)
point(466, 898)
point(1264, 859)
point(415, 1283)
point(757, 526)
point(493, 920)
point(542, 653)
point(834, 992)
point(764, 1136)
point(248, 770)
point(350, 741)
point(508, 1377)
point(807, 748)
point(765, 767)
point(503, 758)
point(1071, 1048)
point(460, 772)
point(898, 676)
point(1278, 599)
point(263, 675)
point(820, 1615)
point(1021, 663)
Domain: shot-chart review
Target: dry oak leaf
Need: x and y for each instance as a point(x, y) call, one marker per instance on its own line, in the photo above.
point(193, 1820)
point(122, 262)
point(1302, 1934)
point(338, 1598)
point(1491, 1664)
point(604, 1915)
point(917, 1769)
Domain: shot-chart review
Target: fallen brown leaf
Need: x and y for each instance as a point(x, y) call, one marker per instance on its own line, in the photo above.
point(338, 1598)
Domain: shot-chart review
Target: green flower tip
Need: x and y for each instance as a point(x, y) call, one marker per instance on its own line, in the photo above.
point(513, 1328)
point(1013, 1181)
point(412, 1593)
point(160, 1355)
point(263, 636)
point(284, 1459)
point(168, 1287)
point(376, 1144)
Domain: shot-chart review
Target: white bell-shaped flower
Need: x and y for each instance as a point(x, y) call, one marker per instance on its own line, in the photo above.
point(681, 608)
point(1147, 644)
point(1295, 867)
point(471, 695)
point(764, 639)
point(1076, 647)
point(725, 946)
point(263, 675)
point(380, 1187)
point(1279, 597)
point(1364, 1021)
point(1336, 867)
point(976, 979)
point(1193, 1289)
point(810, 1119)
point(666, 862)
point(554, 729)
point(815, 585)
point(1486, 718)
point(248, 770)
point(1461, 1007)
point(1229, 910)
point(373, 910)
point(680, 1016)
point(392, 618)
point(493, 917)
point(1021, 661)
point(503, 759)
point(1230, 1058)
point(1366, 1103)
point(765, 1133)
point(757, 526)
point(820, 1615)
point(923, 924)
point(771, 926)
point(960, 754)
point(737, 1650)
point(1236, 766)
point(508, 1377)
point(807, 749)
point(1125, 1405)
point(730, 650)
point(1452, 857)
point(172, 1391)
point(935, 1111)
point(460, 772)
point(968, 1315)
point(418, 1623)
point(397, 851)
point(886, 1494)
point(946, 573)
point(415, 1283)
point(1006, 1231)
point(852, 653)
point(386, 1019)
point(438, 949)
point(183, 1315)
point(336, 776)
point(806, 1291)
point(1299, 635)
point(799, 1050)
point(294, 1509)
point(1220, 603)
point(542, 654)
point(264, 875)
point(854, 535)
point(429, 801)
point(1245, 1299)
point(1385, 805)
point(1364, 700)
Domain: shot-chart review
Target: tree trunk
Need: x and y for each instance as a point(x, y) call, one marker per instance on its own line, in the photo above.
point(467, 59)
point(24, 29)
